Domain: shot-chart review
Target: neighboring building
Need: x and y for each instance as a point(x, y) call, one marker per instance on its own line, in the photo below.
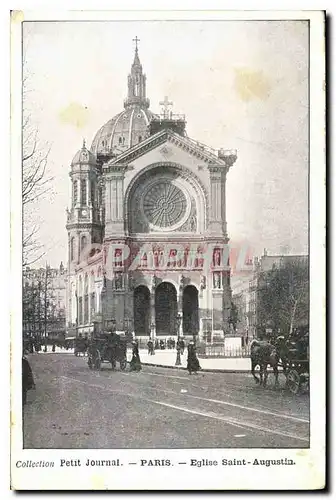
point(146, 188)
point(240, 298)
point(44, 301)
point(262, 266)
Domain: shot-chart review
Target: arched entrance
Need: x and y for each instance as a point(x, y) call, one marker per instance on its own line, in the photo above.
point(141, 310)
point(190, 310)
point(165, 309)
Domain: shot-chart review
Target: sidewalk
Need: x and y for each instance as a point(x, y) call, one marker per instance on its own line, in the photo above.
point(166, 359)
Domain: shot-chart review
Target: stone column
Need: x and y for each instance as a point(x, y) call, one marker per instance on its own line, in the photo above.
point(217, 222)
point(78, 247)
point(152, 310)
point(179, 331)
point(114, 200)
point(89, 307)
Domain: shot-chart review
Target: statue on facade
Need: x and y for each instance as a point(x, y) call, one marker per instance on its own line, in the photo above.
point(118, 281)
point(217, 281)
point(153, 282)
point(181, 282)
point(217, 257)
point(143, 260)
point(193, 223)
point(203, 283)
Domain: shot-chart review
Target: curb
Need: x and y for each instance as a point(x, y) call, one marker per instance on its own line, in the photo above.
point(207, 370)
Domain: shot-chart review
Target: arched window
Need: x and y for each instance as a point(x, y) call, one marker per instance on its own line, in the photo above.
point(75, 192)
point(80, 286)
point(83, 243)
point(83, 192)
point(120, 140)
point(93, 189)
point(72, 248)
point(140, 138)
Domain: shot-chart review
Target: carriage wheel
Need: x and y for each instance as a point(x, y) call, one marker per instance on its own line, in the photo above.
point(123, 365)
point(293, 381)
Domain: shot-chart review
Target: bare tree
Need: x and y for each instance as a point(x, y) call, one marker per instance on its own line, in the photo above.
point(35, 180)
point(283, 297)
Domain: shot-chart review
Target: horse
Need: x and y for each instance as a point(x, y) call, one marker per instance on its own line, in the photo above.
point(263, 354)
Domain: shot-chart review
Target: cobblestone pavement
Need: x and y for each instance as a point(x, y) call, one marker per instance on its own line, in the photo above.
point(74, 407)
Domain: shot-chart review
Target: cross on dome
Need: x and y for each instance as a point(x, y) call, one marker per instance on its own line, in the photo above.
point(166, 103)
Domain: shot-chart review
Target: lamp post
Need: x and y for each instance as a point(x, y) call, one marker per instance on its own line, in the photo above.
point(178, 348)
point(179, 325)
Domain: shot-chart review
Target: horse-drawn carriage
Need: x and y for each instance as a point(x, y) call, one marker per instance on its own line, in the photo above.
point(291, 354)
point(295, 365)
point(107, 348)
point(80, 346)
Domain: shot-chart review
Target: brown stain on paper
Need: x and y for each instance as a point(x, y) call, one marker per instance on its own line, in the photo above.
point(74, 114)
point(17, 16)
point(250, 84)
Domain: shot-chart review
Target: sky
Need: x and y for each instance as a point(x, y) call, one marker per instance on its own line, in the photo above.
point(241, 84)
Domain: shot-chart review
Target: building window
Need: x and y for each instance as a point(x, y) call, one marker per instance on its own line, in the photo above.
point(93, 304)
point(140, 138)
point(80, 311)
point(72, 248)
point(75, 192)
point(83, 192)
point(120, 140)
point(86, 309)
point(92, 193)
point(83, 243)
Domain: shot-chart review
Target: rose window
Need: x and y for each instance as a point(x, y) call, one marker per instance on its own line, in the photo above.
point(164, 204)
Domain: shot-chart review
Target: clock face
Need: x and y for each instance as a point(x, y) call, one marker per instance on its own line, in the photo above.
point(84, 213)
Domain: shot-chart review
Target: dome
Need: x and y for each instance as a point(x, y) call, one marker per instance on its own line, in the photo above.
point(123, 131)
point(129, 127)
point(84, 156)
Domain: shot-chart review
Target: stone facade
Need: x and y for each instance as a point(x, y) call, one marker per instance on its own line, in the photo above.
point(147, 229)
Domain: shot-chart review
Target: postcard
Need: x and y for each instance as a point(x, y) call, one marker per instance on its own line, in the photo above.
point(168, 237)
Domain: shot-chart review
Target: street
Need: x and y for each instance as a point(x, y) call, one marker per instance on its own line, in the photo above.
point(74, 407)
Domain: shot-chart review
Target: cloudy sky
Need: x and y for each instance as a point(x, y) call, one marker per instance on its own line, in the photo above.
point(241, 85)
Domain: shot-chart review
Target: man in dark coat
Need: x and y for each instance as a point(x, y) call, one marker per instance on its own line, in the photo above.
point(27, 379)
point(192, 362)
point(135, 363)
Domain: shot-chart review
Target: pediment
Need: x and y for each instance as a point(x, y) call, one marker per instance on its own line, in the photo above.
point(166, 142)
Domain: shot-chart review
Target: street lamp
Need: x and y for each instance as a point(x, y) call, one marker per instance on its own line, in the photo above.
point(178, 348)
point(179, 324)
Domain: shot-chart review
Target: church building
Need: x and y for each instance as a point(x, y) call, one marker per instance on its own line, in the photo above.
point(147, 235)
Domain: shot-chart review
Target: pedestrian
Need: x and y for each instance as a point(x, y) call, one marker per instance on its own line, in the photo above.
point(150, 347)
point(182, 346)
point(192, 362)
point(53, 347)
point(135, 363)
point(27, 379)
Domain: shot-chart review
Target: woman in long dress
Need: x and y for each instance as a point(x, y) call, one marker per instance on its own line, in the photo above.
point(193, 365)
point(135, 363)
point(27, 379)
